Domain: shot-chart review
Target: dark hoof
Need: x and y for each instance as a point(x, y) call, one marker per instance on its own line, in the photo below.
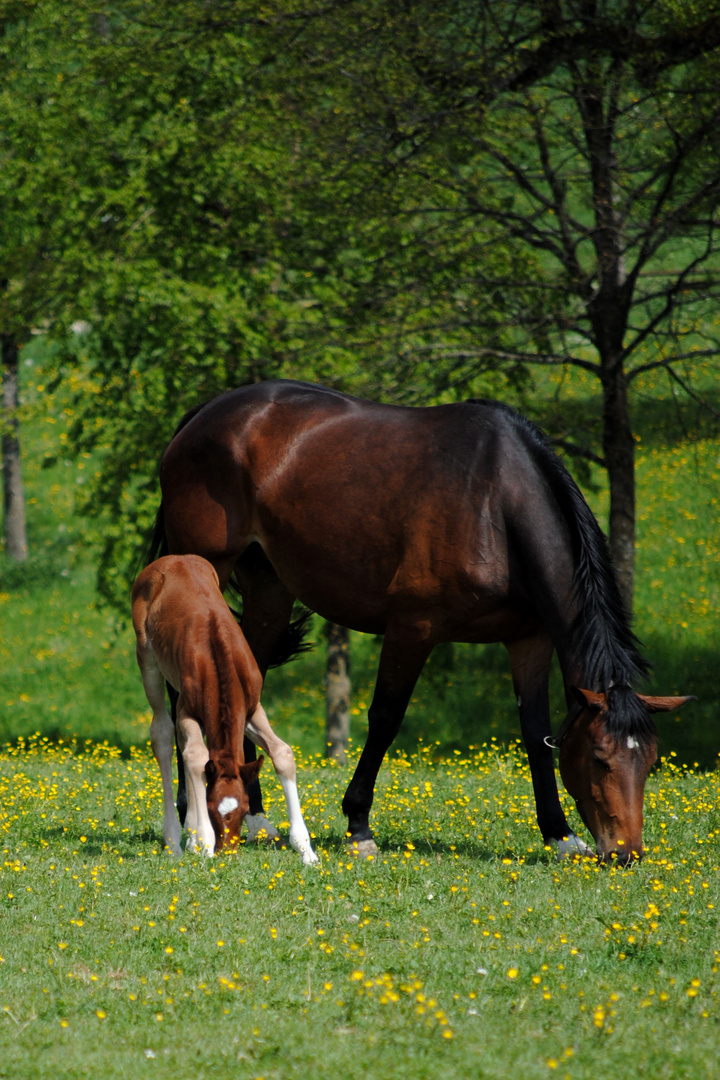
point(363, 849)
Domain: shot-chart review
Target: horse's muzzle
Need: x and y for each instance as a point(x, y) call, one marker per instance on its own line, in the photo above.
point(620, 855)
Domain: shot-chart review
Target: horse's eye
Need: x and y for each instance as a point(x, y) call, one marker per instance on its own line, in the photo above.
point(601, 762)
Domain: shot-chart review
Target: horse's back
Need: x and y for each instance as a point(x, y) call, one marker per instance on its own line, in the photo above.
point(362, 508)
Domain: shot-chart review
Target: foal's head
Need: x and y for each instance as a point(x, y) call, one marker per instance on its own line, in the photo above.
point(227, 798)
point(606, 752)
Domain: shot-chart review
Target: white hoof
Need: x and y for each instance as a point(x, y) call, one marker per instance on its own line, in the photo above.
point(308, 856)
point(569, 847)
point(196, 846)
point(302, 845)
point(363, 849)
point(260, 830)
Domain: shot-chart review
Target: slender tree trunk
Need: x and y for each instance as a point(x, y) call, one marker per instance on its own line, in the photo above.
point(609, 309)
point(13, 495)
point(337, 728)
point(619, 451)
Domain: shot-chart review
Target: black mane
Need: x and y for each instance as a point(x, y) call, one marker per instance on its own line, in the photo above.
point(602, 638)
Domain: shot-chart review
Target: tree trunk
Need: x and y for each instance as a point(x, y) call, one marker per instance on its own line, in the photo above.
point(337, 727)
point(619, 451)
point(609, 310)
point(13, 496)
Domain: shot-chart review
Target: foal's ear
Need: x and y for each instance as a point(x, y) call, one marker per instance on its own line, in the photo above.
point(664, 704)
point(250, 770)
point(588, 699)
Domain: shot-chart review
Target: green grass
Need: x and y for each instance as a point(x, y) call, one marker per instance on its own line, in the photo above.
point(462, 950)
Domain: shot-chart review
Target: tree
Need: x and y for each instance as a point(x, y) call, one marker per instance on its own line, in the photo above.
point(51, 198)
point(13, 497)
point(415, 200)
point(552, 173)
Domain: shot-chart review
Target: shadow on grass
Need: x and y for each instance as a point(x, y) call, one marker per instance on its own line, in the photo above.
point(438, 849)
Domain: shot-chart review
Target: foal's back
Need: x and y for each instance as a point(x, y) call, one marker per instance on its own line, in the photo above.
point(179, 612)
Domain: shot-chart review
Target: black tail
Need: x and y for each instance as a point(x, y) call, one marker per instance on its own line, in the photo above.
point(156, 544)
point(292, 642)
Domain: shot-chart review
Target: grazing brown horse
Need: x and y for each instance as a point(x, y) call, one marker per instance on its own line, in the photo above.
point(187, 636)
point(450, 523)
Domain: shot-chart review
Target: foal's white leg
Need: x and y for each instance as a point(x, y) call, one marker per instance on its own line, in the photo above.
point(258, 729)
point(162, 737)
point(201, 835)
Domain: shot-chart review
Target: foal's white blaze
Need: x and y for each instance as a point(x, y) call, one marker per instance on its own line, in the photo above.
point(227, 805)
point(632, 744)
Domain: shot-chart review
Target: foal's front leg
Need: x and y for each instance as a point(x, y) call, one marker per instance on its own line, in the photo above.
point(201, 835)
point(258, 729)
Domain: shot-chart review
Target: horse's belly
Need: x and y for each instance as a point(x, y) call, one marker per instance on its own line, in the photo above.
point(351, 591)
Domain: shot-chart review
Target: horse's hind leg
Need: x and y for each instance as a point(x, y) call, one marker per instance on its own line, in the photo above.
point(181, 798)
point(267, 609)
point(530, 664)
point(400, 666)
point(267, 604)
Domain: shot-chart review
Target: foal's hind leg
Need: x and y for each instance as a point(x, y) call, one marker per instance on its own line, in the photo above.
point(400, 666)
point(201, 835)
point(530, 664)
point(162, 738)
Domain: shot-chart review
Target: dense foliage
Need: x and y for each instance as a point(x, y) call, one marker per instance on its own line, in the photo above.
point(412, 201)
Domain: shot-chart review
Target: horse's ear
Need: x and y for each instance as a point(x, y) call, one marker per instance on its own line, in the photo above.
point(250, 770)
point(664, 704)
point(210, 772)
point(588, 699)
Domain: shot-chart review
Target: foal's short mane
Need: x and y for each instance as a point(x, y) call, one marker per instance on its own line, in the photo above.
point(602, 638)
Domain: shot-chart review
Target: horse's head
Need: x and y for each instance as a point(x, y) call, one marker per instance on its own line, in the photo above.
point(227, 799)
point(606, 752)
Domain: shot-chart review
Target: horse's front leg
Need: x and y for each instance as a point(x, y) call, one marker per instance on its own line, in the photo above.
point(201, 835)
point(401, 662)
point(530, 664)
point(259, 730)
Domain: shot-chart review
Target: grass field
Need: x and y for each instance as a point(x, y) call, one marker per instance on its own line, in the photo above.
point(462, 951)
